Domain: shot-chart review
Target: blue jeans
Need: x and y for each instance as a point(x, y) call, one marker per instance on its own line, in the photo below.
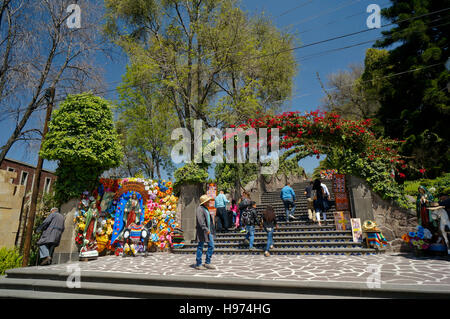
point(46, 250)
point(250, 235)
point(269, 239)
point(209, 252)
point(287, 203)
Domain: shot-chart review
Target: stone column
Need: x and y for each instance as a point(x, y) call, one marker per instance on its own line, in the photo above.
point(360, 198)
point(188, 202)
point(67, 250)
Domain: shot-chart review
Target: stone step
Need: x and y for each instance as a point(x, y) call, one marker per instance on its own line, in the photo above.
point(337, 234)
point(294, 238)
point(35, 283)
point(285, 251)
point(261, 245)
point(289, 228)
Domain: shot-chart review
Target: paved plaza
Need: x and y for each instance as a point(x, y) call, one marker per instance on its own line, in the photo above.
point(395, 268)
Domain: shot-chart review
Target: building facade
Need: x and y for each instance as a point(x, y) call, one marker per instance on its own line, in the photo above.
point(19, 175)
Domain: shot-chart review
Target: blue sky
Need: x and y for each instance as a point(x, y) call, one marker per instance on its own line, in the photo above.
point(311, 21)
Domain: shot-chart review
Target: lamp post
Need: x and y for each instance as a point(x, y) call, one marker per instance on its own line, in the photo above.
point(49, 97)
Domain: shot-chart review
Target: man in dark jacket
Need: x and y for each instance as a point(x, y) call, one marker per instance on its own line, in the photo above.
point(53, 227)
point(204, 229)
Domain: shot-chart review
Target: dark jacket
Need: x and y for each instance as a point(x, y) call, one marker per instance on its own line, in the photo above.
point(53, 227)
point(253, 216)
point(201, 226)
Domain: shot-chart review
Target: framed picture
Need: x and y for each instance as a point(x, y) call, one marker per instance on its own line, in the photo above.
point(356, 230)
point(342, 220)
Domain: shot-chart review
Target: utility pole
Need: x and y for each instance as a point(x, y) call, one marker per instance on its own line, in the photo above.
point(49, 97)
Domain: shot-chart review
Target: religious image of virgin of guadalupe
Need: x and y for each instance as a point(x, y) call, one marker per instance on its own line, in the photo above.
point(423, 199)
point(132, 211)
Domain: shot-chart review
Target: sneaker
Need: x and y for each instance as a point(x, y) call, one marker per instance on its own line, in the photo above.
point(271, 246)
point(291, 216)
point(252, 249)
point(201, 267)
point(242, 231)
point(246, 242)
point(209, 266)
point(267, 254)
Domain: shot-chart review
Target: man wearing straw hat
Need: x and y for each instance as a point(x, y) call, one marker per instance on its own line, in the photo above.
point(204, 228)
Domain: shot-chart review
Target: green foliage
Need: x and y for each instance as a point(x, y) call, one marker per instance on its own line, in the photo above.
point(197, 52)
point(145, 123)
point(441, 185)
point(83, 140)
point(415, 105)
point(190, 173)
point(9, 258)
point(230, 176)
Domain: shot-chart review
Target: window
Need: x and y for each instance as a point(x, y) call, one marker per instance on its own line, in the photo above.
point(11, 169)
point(48, 181)
point(24, 178)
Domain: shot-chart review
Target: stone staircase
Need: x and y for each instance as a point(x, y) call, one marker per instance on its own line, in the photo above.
point(297, 237)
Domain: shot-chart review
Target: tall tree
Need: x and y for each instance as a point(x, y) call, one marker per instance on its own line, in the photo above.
point(346, 94)
point(414, 97)
point(146, 122)
point(37, 51)
point(202, 56)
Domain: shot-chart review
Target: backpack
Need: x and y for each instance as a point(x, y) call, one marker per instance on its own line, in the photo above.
point(249, 217)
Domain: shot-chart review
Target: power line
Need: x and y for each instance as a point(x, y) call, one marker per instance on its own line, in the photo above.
point(339, 20)
point(304, 46)
point(326, 12)
point(345, 35)
point(295, 8)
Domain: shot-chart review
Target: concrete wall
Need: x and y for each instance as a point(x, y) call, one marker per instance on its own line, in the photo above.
point(187, 204)
point(67, 249)
point(11, 198)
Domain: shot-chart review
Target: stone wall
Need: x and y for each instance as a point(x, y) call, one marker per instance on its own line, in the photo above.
point(11, 198)
point(393, 222)
point(67, 249)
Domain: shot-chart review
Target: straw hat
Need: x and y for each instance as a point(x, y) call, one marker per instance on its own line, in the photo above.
point(370, 225)
point(204, 198)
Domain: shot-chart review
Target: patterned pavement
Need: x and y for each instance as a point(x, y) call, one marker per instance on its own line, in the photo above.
point(396, 269)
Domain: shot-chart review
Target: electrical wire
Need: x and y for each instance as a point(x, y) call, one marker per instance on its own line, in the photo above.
point(302, 47)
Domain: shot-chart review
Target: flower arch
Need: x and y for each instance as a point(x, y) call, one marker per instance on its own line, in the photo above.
point(366, 155)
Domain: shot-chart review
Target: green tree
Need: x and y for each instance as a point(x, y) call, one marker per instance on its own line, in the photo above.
point(201, 55)
point(413, 95)
point(83, 140)
point(146, 122)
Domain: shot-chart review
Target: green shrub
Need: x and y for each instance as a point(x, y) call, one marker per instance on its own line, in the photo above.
point(441, 185)
point(9, 258)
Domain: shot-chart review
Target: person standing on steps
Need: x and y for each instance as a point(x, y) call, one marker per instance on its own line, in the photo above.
point(269, 223)
point(244, 204)
point(326, 197)
point(220, 203)
point(319, 196)
point(249, 220)
point(287, 195)
point(204, 234)
point(310, 201)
